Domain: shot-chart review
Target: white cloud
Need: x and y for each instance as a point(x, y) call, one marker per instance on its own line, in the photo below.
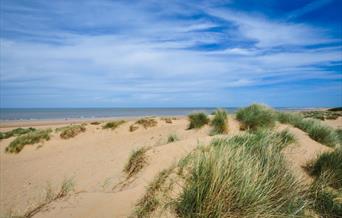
point(151, 56)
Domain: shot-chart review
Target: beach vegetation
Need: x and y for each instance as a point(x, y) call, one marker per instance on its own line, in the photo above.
point(256, 116)
point(167, 119)
point(328, 163)
point(149, 202)
point(113, 124)
point(326, 201)
point(71, 131)
point(133, 127)
point(95, 123)
point(66, 187)
point(172, 138)
point(322, 115)
point(316, 130)
point(16, 132)
point(147, 122)
point(197, 120)
point(220, 122)
point(136, 161)
point(245, 176)
point(29, 138)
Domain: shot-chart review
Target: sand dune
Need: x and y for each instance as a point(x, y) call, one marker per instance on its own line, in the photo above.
point(95, 160)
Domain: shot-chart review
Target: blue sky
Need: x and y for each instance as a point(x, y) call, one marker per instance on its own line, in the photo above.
point(161, 53)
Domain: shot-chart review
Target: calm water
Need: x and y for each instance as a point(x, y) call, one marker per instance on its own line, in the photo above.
point(76, 113)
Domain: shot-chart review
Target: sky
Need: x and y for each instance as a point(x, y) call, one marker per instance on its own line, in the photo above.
point(170, 53)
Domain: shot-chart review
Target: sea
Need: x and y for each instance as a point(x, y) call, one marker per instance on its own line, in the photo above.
point(8, 114)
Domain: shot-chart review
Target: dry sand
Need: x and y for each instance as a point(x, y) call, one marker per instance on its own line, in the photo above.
point(95, 159)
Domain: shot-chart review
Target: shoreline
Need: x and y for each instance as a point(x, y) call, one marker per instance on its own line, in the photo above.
point(61, 121)
point(47, 122)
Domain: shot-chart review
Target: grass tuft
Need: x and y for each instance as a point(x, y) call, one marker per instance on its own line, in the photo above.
point(322, 115)
point(329, 163)
point(113, 124)
point(29, 138)
point(149, 202)
point(15, 132)
point(95, 123)
point(132, 128)
point(172, 138)
point(167, 119)
point(147, 122)
point(197, 120)
point(220, 122)
point(256, 116)
point(243, 176)
point(71, 131)
point(316, 129)
point(286, 137)
point(136, 161)
point(66, 187)
point(326, 201)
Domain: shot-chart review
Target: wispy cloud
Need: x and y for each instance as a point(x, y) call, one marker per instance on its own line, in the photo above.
point(155, 54)
point(314, 5)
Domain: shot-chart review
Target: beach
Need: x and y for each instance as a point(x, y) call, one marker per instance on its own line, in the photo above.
point(94, 160)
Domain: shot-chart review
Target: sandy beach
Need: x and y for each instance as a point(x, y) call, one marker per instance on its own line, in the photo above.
point(95, 159)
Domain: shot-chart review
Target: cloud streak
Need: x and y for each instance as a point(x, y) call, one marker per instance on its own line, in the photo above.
point(149, 54)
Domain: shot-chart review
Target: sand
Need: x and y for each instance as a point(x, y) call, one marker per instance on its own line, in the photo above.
point(95, 160)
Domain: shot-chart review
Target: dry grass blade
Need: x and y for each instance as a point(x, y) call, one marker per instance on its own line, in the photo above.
point(113, 124)
point(147, 122)
point(136, 161)
point(71, 131)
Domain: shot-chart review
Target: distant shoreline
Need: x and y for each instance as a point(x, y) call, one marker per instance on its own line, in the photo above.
point(67, 115)
point(61, 121)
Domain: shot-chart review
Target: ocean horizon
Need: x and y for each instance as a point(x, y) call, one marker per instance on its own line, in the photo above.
point(8, 114)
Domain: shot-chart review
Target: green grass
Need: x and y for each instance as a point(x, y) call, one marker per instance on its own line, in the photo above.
point(329, 163)
point(113, 124)
point(339, 136)
point(149, 202)
point(242, 176)
point(322, 115)
point(325, 201)
point(291, 118)
point(220, 122)
point(136, 161)
point(147, 122)
point(172, 138)
point(16, 132)
point(29, 138)
point(71, 131)
point(256, 116)
point(197, 120)
point(316, 130)
point(321, 133)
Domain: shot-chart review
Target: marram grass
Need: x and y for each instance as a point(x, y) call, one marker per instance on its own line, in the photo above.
point(29, 138)
point(113, 124)
point(219, 122)
point(71, 131)
point(16, 132)
point(197, 120)
point(243, 176)
point(256, 116)
point(328, 163)
point(316, 130)
point(136, 161)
